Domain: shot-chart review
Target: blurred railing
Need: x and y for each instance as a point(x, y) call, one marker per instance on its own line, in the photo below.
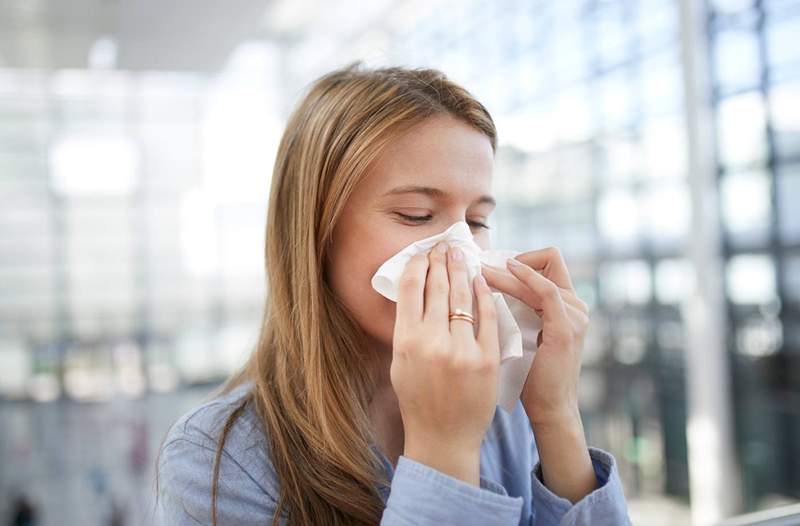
point(783, 516)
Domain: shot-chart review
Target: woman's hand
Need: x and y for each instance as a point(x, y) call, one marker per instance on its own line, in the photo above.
point(444, 373)
point(550, 395)
point(540, 279)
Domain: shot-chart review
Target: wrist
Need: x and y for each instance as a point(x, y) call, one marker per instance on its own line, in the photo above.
point(564, 417)
point(566, 466)
point(461, 462)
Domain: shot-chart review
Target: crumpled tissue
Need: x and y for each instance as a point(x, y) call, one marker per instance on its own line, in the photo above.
point(518, 324)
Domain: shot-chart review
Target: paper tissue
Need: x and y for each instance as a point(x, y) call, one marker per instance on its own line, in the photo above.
point(518, 324)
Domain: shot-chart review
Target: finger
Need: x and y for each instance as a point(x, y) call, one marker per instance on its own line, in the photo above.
point(488, 338)
point(551, 263)
point(460, 293)
point(437, 287)
point(572, 299)
point(506, 282)
point(410, 291)
point(540, 293)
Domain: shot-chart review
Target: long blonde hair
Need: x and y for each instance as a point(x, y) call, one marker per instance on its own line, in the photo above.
point(311, 368)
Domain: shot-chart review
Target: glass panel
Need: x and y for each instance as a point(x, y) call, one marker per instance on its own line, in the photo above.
point(611, 39)
point(88, 372)
point(195, 357)
point(788, 199)
point(774, 7)
point(616, 96)
point(16, 362)
point(667, 211)
point(574, 117)
point(618, 216)
point(791, 277)
point(568, 45)
point(625, 282)
point(746, 205)
point(658, 25)
point(94, 164)
point(784, 105)
point(621, 158)
point(664, 142)
point(662, 89)
point(751, 279)
point(791, 334)
point(736, 60)
point(741, 130)
point(630, 346)
point(675, 280)
point(730, 6)
point(781, 36)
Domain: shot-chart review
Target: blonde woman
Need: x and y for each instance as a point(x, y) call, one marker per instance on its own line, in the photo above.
point(354, 409)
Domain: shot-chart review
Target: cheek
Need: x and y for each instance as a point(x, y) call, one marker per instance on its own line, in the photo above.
point(352, 265)
point(374, 314)
point(352, 282)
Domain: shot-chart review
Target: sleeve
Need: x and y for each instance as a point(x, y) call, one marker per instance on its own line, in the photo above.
point(185, 471)
point(422, 496)
point(605, 506)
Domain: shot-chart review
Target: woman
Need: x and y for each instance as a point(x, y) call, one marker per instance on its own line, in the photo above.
point(357, 410)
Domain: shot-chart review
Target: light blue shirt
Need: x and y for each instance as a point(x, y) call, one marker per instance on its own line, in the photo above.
point(511, 491)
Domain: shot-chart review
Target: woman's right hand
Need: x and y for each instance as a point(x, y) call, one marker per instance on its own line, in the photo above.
point(444, 373)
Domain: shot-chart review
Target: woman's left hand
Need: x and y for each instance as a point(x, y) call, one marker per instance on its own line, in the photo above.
point(541, 281)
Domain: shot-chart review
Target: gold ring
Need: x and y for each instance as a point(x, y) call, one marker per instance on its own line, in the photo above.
point(459, 314)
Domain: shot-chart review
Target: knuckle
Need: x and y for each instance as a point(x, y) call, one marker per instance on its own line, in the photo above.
point(457, 362)
point(554, 251)
point(439, 357)
point(584, 324)
point(435, 345)
point(551, 290)
point(488, 365)
point(456, 264)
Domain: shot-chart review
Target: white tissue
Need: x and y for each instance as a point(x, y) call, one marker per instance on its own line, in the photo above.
point(518, 324)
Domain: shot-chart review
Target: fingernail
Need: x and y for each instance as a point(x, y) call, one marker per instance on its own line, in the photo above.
point(441, 248)
point(513, 262)
point(482, 280)
point(455, 253)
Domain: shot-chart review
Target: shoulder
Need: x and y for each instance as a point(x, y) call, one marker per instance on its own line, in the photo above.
point(203, 424)
point(247, 480)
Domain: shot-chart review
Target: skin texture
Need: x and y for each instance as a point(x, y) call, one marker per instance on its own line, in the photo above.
point(424, 359)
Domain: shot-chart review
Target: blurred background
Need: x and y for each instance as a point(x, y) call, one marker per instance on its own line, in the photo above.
point(656, 142)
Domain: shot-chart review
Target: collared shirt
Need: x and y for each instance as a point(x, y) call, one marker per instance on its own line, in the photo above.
point(511, 491)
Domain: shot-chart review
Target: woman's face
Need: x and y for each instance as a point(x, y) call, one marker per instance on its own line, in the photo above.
point(450, 165)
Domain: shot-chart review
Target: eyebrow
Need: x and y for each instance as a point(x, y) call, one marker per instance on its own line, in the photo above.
point(435, 193)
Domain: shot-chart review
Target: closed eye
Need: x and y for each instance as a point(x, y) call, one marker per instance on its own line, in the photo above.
point(424, 219)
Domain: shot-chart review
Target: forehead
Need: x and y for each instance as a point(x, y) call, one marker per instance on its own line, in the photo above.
point(442, 152)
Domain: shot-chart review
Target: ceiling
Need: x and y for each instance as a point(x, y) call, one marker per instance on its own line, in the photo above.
point(174, 35)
